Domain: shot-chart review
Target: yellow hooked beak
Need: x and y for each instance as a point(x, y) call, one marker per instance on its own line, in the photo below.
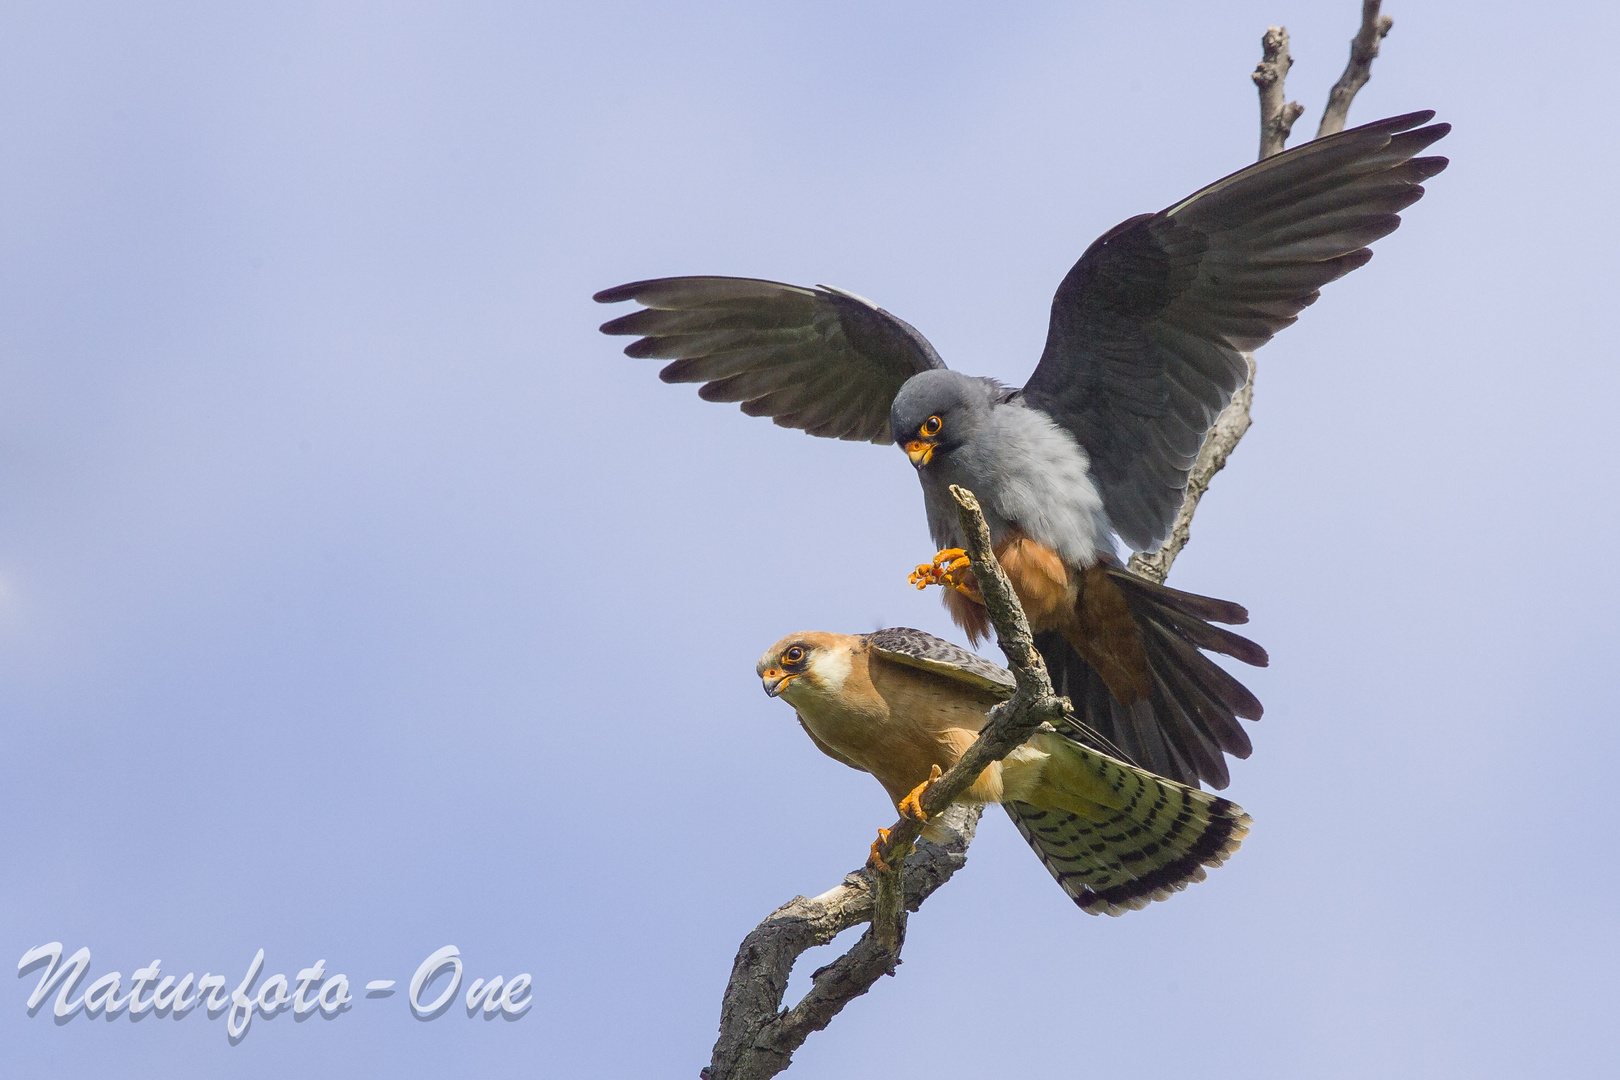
point(919, 451)
point(775, 681)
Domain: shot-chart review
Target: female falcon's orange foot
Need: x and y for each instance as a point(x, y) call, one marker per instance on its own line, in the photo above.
point(911, 805)
point(941, 570)
point(875, 860)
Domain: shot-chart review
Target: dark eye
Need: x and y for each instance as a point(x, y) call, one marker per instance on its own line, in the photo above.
point(794, 655)
point(930, 427)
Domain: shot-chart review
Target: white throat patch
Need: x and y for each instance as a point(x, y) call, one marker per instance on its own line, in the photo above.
point(830, 670)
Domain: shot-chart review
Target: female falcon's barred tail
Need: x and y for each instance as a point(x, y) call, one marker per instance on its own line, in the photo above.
point(1190, 714)
point(1156, 845)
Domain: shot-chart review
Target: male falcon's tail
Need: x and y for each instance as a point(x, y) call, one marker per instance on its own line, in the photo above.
point(1189, 714)
point(1156, 843)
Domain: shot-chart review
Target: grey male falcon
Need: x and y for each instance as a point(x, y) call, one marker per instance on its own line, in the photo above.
point(1144, 348)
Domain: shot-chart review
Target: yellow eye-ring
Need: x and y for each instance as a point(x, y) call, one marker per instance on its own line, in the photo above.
point(793, 655)
point(930, 427)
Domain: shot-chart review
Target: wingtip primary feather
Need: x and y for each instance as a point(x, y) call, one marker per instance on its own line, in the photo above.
point(1389, 125)
point(1405, 121)
point(619, 293)
point(1423, 168)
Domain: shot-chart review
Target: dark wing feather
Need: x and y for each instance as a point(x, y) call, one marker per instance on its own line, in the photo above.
point(821, 360)
point(917, 649)
point(1189, 717)
point(1149, 327)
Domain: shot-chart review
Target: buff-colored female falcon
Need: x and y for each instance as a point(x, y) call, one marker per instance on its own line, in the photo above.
point(904, 705)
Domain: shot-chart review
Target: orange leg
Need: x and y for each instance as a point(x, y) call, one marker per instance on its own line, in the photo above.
point(942, 570)
point(875, 860)
point(911, 805)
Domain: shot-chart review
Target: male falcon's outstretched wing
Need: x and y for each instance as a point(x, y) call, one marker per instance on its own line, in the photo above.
point(1148, 330)
point(897, 703)
point(821, 359)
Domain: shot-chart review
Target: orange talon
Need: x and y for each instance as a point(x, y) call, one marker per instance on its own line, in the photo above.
point(911, 805)
point(942, 570)
point(875, 860)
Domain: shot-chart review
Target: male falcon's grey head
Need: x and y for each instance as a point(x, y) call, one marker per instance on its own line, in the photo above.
point(937, 411)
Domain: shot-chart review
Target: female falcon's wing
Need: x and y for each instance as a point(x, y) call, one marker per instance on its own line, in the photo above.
point(923, 651)
point(1148, 329)
point(823, 360)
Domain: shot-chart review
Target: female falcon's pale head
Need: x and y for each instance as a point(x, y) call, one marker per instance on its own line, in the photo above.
point(938, 411)
point(808, 664)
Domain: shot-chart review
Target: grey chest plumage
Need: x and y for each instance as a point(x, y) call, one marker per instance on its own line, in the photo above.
point(1029, 474)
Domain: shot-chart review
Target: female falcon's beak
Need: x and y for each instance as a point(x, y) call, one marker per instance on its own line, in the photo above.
point(775, 680)
point(786, 661)
point(919, 451)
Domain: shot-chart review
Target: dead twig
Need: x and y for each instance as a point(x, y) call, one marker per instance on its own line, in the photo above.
point(1363, 50)
point(1277, 113)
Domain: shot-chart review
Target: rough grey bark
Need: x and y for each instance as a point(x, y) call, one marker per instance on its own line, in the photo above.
point(758, 1036)
point(1363, 51)
point(1277, 113)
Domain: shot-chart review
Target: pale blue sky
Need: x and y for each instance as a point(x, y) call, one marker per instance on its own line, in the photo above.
point(358, 598)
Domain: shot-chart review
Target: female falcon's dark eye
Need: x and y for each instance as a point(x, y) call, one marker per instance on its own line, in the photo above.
point(930, 427)
point(794, 655)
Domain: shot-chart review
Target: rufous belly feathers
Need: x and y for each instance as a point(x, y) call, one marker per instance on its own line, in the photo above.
point(1081, 604)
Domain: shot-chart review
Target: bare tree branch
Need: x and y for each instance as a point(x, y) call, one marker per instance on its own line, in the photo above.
point(758, 1041)
point(757, 1036)
point(1277, 113)
point(1363, 50)
point(1276, 121)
